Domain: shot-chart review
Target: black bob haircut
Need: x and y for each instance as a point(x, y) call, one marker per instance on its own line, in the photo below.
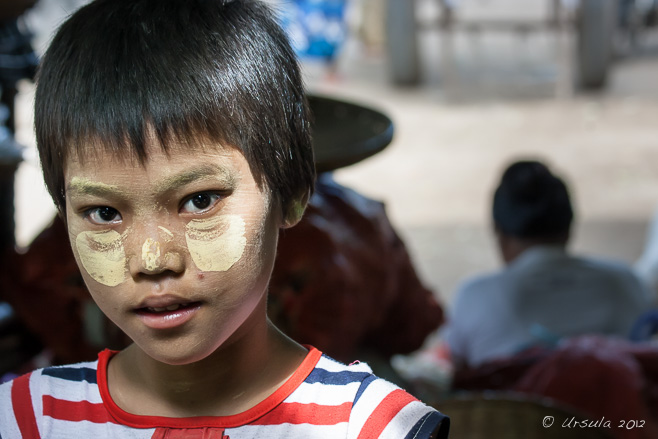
point(531, 202)
point(119, 72)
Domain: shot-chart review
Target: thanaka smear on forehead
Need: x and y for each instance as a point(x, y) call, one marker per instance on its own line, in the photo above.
point(210, 172)
point(95, 152)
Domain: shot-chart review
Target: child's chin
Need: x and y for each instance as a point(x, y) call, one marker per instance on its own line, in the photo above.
point(170, 354)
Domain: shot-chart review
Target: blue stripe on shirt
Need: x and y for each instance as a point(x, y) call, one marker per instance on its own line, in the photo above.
point(364, 386)
point(335, 378)
point(72, 373)
point(427, 424)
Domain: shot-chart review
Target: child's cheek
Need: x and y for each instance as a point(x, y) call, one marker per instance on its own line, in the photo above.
point(215, 244)
point(103, 256)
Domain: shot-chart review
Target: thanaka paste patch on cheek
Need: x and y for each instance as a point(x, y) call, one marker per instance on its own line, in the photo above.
point(216, 244)
point(102, 255)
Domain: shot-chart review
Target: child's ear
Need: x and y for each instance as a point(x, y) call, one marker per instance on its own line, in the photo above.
point(295, 210)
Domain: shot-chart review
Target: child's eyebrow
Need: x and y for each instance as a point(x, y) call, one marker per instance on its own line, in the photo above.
point(189, 176)
point(83, 186)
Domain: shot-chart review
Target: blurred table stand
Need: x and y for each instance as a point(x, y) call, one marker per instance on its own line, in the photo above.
point(583, 30)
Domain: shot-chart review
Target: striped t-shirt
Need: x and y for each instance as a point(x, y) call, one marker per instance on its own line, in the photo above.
point(323, 399)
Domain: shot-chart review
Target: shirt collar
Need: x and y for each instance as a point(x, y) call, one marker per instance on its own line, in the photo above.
point(538, 253)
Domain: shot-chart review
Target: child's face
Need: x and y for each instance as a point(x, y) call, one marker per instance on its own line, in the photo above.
point(178, 252)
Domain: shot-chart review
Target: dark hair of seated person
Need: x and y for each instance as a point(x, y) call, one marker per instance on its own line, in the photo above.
point(531, 206)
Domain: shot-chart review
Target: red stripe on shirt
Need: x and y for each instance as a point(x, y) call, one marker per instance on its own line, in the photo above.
point(75, 410)
point(21, 400)
point(189, 433)
point(299, 413)
point(385, 411)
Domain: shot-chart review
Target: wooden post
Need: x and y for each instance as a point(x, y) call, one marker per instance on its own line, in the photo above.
point(401, 42)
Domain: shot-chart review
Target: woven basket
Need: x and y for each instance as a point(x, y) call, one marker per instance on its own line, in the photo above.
point(502, 415)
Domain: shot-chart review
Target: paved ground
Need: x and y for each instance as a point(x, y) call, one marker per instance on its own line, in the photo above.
point(453, 139)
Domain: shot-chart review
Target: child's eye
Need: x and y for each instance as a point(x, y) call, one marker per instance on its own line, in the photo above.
point(103, 215)
point(200, 202)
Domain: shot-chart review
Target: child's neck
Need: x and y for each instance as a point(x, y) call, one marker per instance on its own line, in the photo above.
point(228, 382)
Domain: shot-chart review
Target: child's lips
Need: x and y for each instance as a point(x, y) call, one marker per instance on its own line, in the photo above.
point(163, 301)
point(165, 318)
point(167, 311)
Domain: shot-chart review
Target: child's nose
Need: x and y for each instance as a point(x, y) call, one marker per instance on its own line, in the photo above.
point(151, 255)
point(155, 254)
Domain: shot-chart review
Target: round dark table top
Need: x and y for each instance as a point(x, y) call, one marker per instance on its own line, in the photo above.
point(345, 133)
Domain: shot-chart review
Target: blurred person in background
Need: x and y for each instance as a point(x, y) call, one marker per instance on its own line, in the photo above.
point(543, 293)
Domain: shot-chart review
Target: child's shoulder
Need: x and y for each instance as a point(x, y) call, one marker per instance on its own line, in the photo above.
point(356, 369)
point(43, 392)
point(330, 376)
point(55, 377)
point(366, 401)
point(65, 382)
